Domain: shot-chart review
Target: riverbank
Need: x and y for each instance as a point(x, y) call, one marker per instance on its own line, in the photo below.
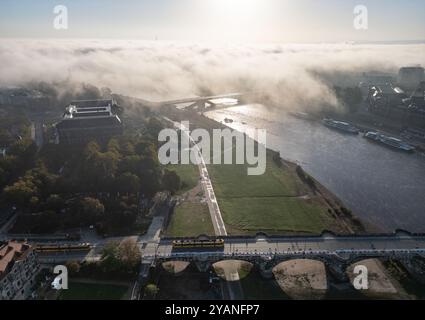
point(284, 200)
point(245, 213)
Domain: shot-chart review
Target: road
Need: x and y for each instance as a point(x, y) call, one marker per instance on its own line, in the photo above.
point(341, 245)
point(325, 245)
point(207, 187)
point(37, 133)
point(214, 209)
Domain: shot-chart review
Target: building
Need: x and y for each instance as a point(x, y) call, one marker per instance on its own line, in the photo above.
point(87, 120)
point(371, 79)
point(416, 102)
point(22, 97)
point(386, 96)
point(410, 77)
point(18, 269)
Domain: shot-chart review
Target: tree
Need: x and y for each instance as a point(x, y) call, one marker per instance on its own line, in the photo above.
point(129, 254)
point(20, 192)
point(171, 181)
point(91, 210)
point(154, 126)
point(54, 202)
point(3, 177)
point(127, 183)
point(151, 290)
point(34, 202)
point(73, 267)
point(110, 261)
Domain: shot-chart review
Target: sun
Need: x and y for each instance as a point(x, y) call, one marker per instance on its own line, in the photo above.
point(237, 19)
point(238, 9)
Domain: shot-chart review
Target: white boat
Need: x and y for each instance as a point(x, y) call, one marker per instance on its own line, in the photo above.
point(340, 125)
point(389, 141)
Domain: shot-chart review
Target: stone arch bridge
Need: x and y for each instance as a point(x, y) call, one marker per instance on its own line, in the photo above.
point(265, 252)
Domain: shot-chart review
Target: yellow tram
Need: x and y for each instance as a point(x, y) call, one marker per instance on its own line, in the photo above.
point(214, 243)
point(62, 248)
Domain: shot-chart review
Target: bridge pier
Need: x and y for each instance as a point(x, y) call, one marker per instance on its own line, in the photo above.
point(416, 267)
point(338, 271)
point(266, 271)
point(265, 267)
point(203, 266)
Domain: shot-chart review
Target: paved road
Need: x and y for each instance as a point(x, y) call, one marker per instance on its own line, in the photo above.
point(37, 133)
point(214, 209)
point(381, 245)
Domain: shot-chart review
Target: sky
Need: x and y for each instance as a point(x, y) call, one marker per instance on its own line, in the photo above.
point(284, 21)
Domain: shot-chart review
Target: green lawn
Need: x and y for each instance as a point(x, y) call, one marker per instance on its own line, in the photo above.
point(190, 219)
point(272, 215)
point(89, 291)
point(188, 173)
point(268, 202)
point(232, 181)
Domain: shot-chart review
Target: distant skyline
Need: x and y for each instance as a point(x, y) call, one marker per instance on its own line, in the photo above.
point(217, 20)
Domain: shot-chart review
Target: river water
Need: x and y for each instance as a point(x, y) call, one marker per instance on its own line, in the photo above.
point(383, 187)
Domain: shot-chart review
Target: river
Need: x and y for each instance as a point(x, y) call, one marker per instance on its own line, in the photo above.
point(383, 187)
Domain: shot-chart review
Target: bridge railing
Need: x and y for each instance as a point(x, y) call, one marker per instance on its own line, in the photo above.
point(323, 235)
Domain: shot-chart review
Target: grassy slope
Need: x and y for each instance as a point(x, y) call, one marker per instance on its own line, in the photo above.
point(188, 174)
point(268, 203)
point(190, 219)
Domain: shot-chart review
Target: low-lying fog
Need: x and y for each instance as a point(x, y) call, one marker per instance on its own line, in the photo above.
point(288, 75)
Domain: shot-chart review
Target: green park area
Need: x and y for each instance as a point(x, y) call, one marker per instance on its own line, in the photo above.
point(190, 219)
point(92, 291)
point(189, 175)
point(276, 202)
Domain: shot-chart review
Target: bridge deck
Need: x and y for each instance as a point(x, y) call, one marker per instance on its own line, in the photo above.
point(195, 99)
point(383, 245)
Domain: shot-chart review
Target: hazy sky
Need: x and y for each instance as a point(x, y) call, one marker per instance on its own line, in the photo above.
point(228, 20)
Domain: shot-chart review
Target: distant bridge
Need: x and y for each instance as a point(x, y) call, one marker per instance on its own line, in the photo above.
point(336, 252)
point(192, 103)
point(200, 103)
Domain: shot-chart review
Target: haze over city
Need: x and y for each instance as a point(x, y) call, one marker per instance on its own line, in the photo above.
point(115, 117)
point(305, 21)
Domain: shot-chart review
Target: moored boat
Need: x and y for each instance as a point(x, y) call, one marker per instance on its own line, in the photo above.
point(389, 141)
point(341, 126)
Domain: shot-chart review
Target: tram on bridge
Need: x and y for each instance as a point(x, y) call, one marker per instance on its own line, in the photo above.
point(66, 248)
point(198, 243)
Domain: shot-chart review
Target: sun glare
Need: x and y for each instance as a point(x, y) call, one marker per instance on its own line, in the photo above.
point(243, 8)
point(238, 19)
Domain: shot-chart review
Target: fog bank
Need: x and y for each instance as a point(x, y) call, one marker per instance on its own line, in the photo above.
point(290, 76)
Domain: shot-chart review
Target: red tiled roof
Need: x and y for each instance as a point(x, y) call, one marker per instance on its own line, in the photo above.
point(10, 253)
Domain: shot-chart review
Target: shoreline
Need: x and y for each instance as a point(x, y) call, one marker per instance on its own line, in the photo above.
point(345, 217)
point(342, 215)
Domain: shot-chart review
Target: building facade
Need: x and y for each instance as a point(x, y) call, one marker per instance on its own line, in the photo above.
point(18, 269)
point(87, 120)
point(410, 77)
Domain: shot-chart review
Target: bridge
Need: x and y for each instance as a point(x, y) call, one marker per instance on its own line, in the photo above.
point(193, 103)
point(336, 252)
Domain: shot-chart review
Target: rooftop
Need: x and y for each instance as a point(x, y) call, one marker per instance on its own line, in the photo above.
point(11, 252)
point(89, 109)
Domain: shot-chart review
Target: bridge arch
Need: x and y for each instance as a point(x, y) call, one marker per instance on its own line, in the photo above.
point(175, 266)
point(227, 268)
point(301, 277)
